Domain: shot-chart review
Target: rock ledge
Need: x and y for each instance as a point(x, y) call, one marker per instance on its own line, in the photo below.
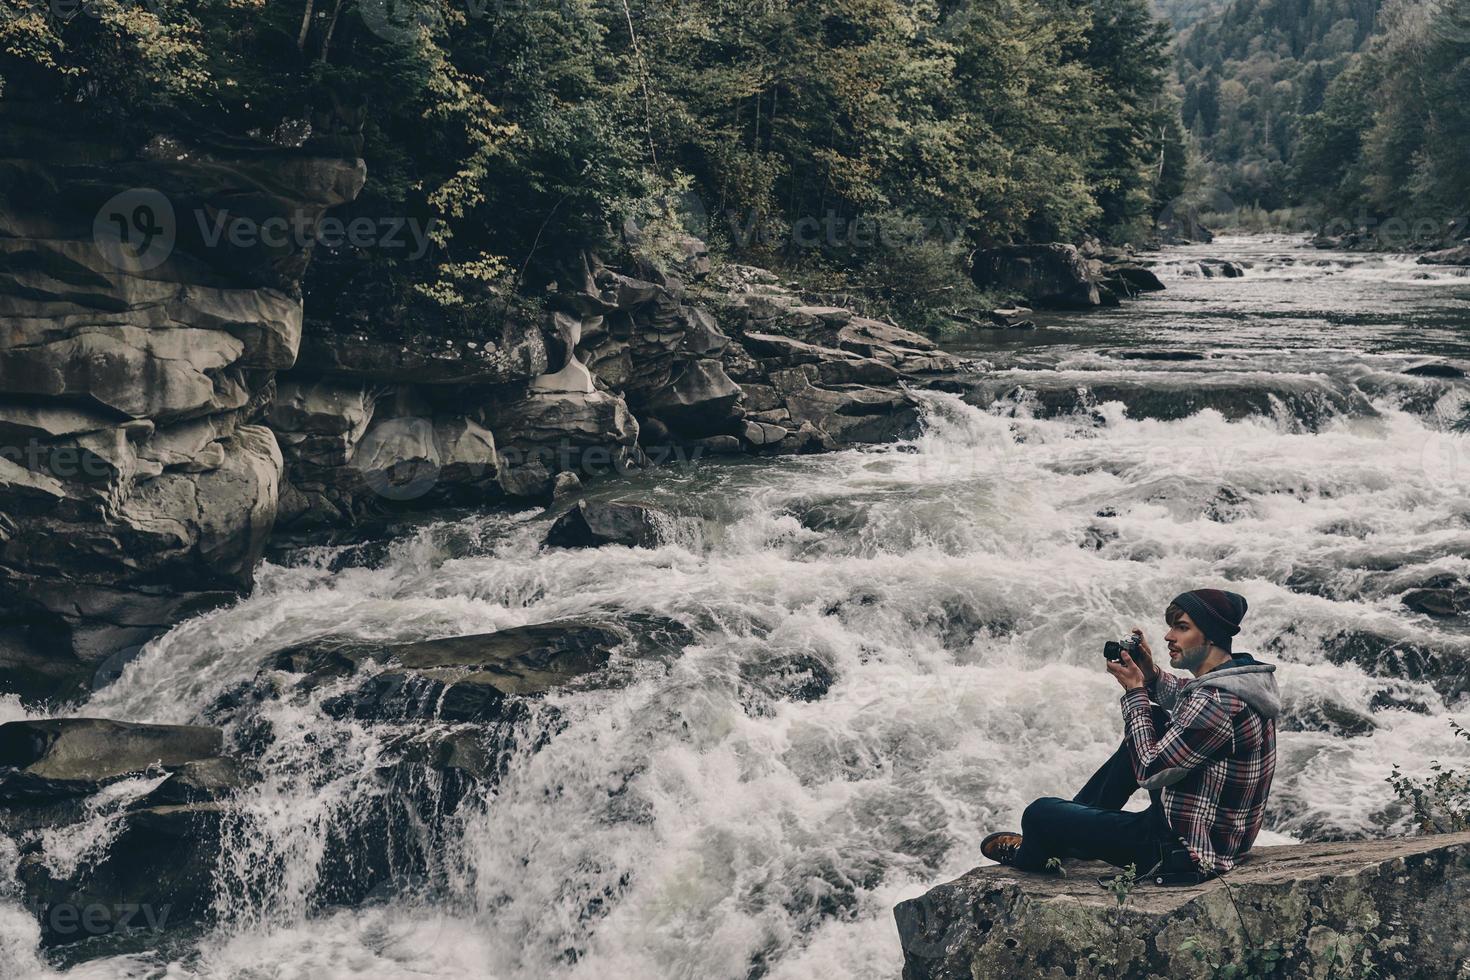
point(1398, 902)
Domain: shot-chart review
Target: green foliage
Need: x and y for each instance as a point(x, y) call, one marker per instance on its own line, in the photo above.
point(1112, 959)
point(1122, 885)
point(1393, 133)
point(525, 129)
point(1354, 960)
point(1250, 963)
point(1359, 109)
point(1249, 73)
point(1440, 803)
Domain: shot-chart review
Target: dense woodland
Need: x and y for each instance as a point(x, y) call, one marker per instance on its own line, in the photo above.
point(1250, 73)
point(1392, 137)
point(530, 128)
point(1351, 107)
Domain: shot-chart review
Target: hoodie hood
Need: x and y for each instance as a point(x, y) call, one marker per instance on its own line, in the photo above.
point(1248, 679)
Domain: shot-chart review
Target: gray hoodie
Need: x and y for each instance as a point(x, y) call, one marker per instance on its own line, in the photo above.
point(1244, 676)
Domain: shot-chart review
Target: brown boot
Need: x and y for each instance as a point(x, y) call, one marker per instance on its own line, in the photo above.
point(1002, 847)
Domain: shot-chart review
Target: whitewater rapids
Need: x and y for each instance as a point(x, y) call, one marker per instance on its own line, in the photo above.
point(690, 818)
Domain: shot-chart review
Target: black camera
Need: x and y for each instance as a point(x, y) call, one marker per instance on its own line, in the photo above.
point(1113, 649)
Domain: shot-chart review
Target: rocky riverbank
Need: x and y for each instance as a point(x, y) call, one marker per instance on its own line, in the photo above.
point(117, 826)
point(165, 410)
point(1317, 910)
point(168, 404)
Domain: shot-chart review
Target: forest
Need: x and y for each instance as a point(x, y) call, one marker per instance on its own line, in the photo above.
point(869, 145)
point(1351, 108)
point(527, 128)
point(550, 489)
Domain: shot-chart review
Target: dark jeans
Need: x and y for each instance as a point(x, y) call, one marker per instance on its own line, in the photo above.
point(1093, 826)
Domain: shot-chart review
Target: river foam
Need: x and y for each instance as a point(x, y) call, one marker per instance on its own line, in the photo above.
point(696, 820)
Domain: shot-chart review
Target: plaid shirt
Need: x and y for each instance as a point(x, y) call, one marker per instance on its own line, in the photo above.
point(1213, 763)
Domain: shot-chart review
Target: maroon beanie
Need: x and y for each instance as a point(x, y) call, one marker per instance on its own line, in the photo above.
point(1216, 612)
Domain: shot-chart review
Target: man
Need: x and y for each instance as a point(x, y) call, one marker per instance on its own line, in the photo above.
point(1206, 753)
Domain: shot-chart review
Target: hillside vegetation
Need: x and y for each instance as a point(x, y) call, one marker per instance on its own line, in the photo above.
point(780, 128)
point(1351, 108)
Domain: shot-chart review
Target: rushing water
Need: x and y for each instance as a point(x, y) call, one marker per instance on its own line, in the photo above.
point(690, 816)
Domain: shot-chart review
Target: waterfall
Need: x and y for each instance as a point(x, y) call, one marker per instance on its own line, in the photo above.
point(892, 652)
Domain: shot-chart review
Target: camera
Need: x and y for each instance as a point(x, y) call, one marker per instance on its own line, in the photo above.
point(1113, 649)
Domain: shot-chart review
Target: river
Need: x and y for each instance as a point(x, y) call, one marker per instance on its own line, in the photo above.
point(716, 814)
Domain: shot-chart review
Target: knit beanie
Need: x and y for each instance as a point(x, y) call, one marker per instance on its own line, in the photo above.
point(1216, 612)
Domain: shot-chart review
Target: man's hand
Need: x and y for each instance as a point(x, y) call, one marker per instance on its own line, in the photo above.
point(1145, 657)
point(1126, 673)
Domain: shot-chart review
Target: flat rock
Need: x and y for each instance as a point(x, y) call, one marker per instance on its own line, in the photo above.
point(1314, 900)
point(457, 678)
point(868, 337)
point(96, 750)
point(1458, 255)
point(592, 524)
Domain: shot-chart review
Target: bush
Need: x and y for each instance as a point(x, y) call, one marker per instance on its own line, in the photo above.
point(1439, 802)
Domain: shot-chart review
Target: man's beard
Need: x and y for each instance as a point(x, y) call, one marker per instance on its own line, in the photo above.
point(1193, 657)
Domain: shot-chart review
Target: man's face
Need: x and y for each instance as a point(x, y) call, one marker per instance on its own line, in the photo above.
point(1187, 643)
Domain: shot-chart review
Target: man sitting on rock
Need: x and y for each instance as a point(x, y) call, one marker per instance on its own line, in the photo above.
point(1205, 751)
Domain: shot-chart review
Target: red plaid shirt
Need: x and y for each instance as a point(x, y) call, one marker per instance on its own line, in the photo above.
point(1213, 763)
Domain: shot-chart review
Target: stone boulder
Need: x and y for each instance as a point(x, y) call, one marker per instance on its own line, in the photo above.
point(92, 752)
point(545, 433)
point(591, 524)
point(1054, 275)
point(1130, 280)
point(699, 399)
point(152, 792)
point(848, 413)
point(321, 420)
point(1445, 666)
point(1442, 596)
point(351, 449)
point(1210, 268)
point(644, 340)
point(1297, 911)
point(1456, 255)
point(1435, 370)
point(78, 591)
point(817, 378)
point(1306, 713)
point(457, 678)
point(136, 488)
point(156, 873)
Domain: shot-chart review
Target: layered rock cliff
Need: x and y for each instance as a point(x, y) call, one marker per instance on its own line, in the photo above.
point(137, 484)
point(166, 403)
